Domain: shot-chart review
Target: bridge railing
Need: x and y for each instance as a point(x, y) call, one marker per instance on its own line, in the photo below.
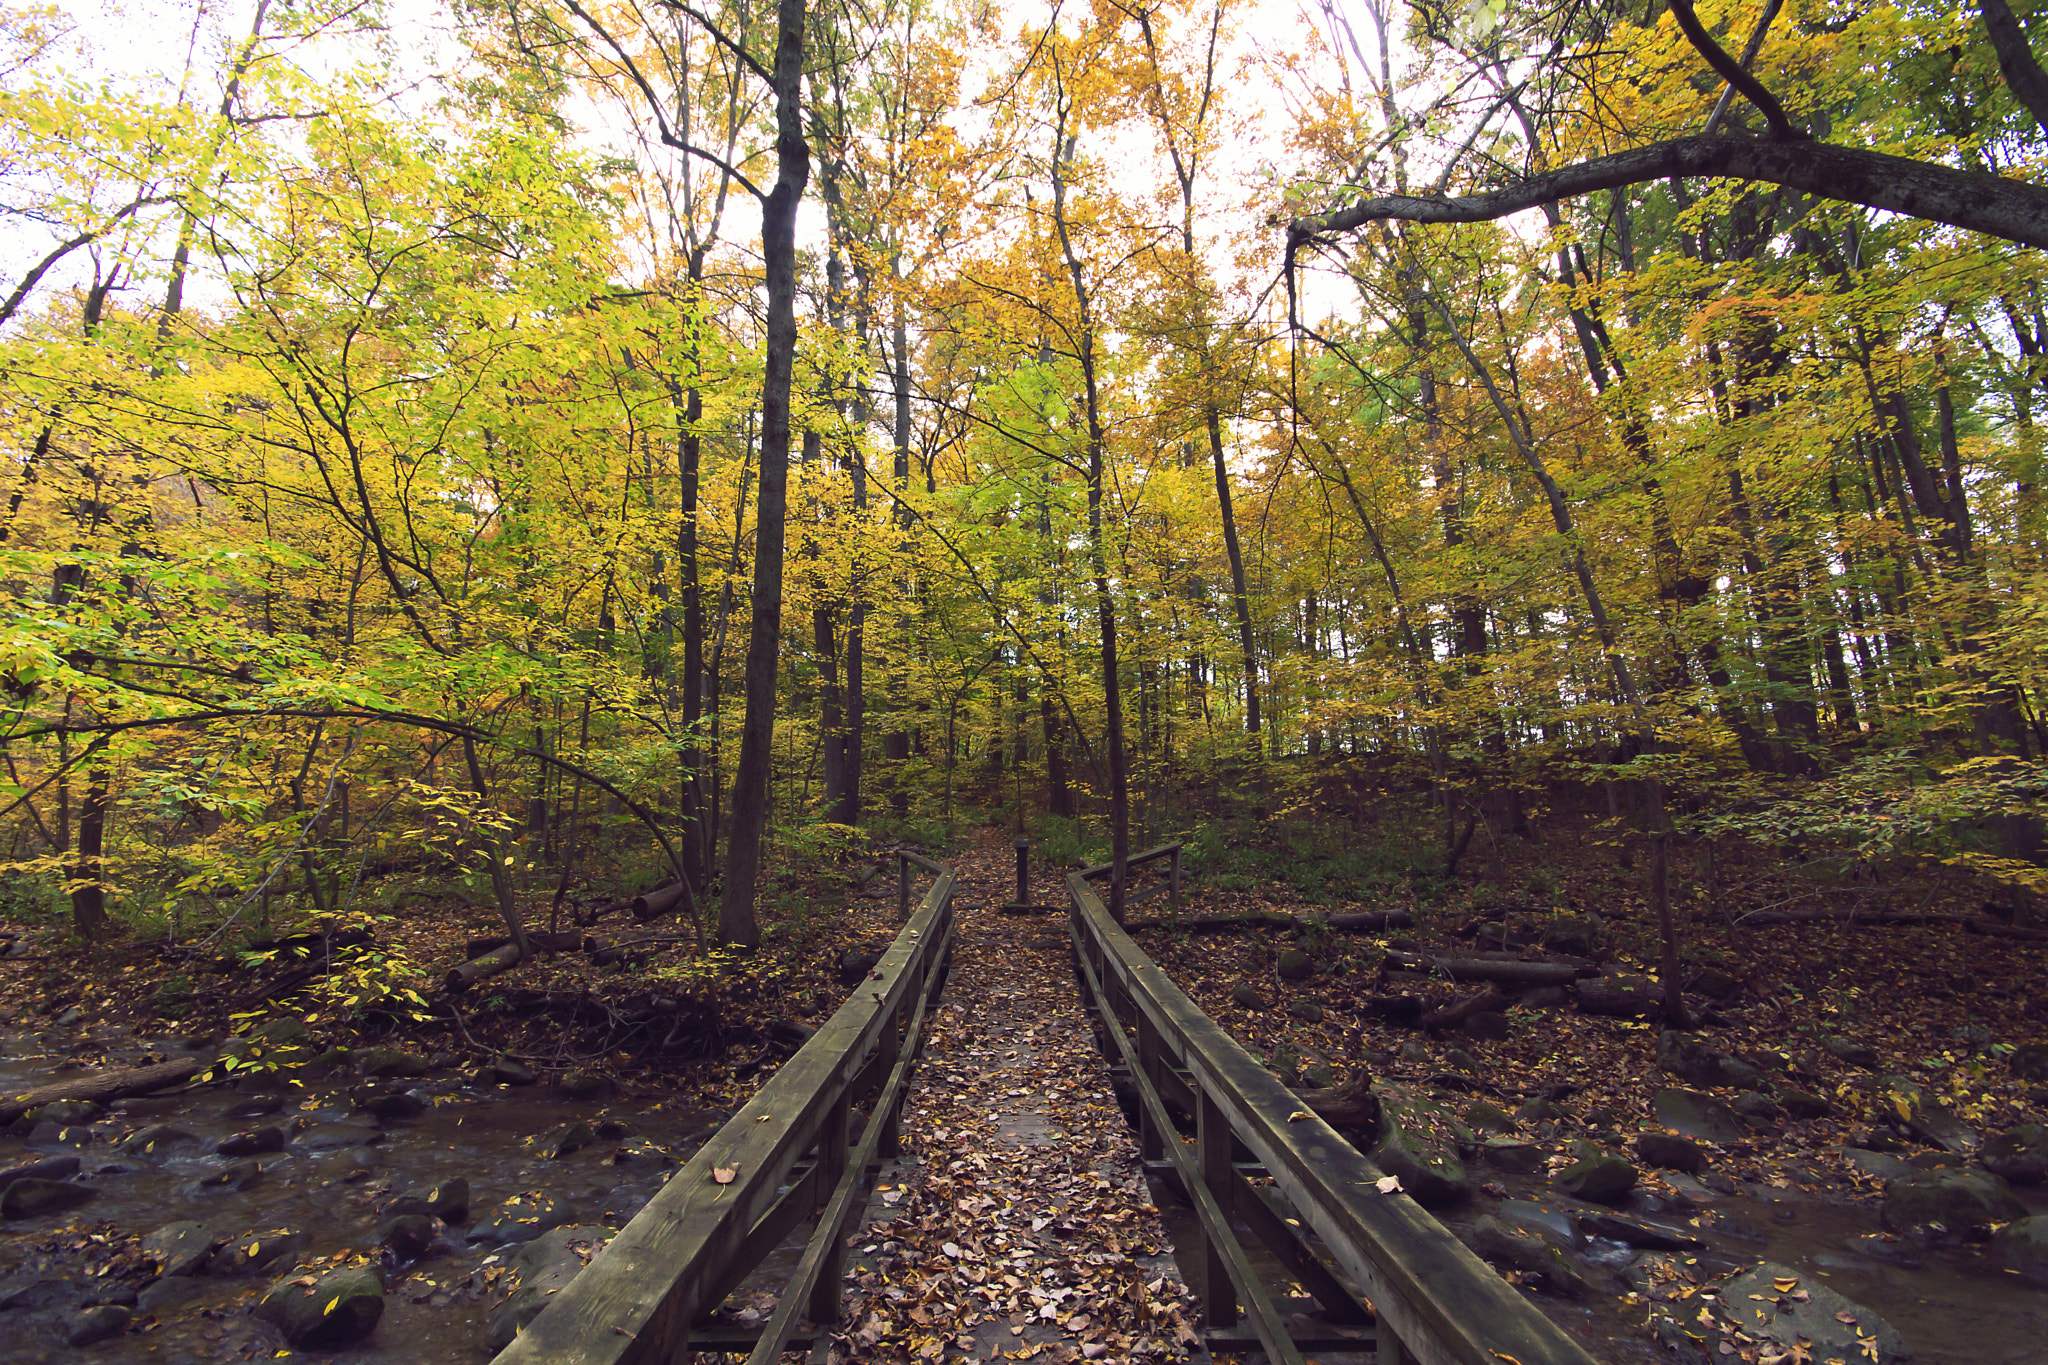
point(1432, 1300)
point(784, 1159)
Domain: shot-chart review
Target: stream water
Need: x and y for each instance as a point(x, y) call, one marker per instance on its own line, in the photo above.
point(337, 1169)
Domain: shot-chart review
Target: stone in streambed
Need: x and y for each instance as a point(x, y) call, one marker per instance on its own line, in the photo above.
point(1925, 1117)
point(1308, 1011)
point(1523, 1248)
point(1956, 1202)
point(541, 1270)
point(33, 1198)
point(1601, 1179)
point(512, 1071)
point(407, 1237)
point(1488, 1118)
point(2019, 1154)
point(1826, 1324)
point(392, 1063)
point(254, 1142)
point(395, 1107)
point(1853, 1053)
point(338, 1308)
point(49, 1168)
point(1672, 1152)
point(585, 1085)
point(2021, 1247)
point(89, 1325)
point(254, 1253)
point(1419, 1143)
point(1512, 1155)
point(557, 1143)
point(1698, 1064)
point(447, 1201)
point(1295, 965)
point(180, 1248)
point(1636, 1232)
point(1698, 1116)
point(1246, 996)
point(236, 1175)
point(521, 1220)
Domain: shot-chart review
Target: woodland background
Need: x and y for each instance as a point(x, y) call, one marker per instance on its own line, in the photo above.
point(396, 482)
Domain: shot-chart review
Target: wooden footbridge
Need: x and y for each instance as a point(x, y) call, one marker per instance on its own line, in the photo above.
point(796, 1155)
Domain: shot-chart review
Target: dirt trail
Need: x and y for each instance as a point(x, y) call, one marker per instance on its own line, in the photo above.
point(1018, 1224)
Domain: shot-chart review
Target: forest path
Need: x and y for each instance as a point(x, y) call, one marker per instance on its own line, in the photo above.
point(1017, 1224)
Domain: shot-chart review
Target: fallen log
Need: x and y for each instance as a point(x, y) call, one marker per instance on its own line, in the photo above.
point(461, 978)
point(660, 901)
point(1623, 998)
point(540, 941)
point(1485, 969)
point(1369, 919)
point(1884, 919)
point(103, 1086)
point(610, 954)
point(1486, 1002)
point(1199, 924)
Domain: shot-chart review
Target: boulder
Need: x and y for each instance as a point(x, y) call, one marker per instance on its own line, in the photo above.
point(1419, 1143)
point(1295, 965)
point(2029, 1061)
point(391, 1063)
point(254, 1142)
point(1637, 1232)
point(395, 1107)
point(1852, 1053)
point(1574, 935)
point(447, 1201)
point(1925, 1118)
point(254, 1253)
point(1672, 1152)
point(1697, 1064)
point(49, 1168)
point(512, 1071)
point(2021, 1248)
point(89, 1325)
point(406, 1237)
point(2019, 1154)
point(1308, 1011)
point(1483, 1117)
point(1876, 1165)
point(1802, 1105)
point(1490, 1027)
point(521, 1220)
point(336, 1309)
point(540, 1270)
point(180, 1248)
point(1956, 1202)
point(1698, 1116)
point(1759, 1109)
point(1512, 1155)
point(33, 1198)
point(585, 1085)
point(557, 1143)
point(642, 1153)
point(1599, 1179)
point(855, 964)
point(1246, 996)
point(1775, 1303)
point(63, 1113)
point(35, 1291)
point(1520, 1247)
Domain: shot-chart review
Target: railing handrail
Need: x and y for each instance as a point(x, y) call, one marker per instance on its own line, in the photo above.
point(1149, 855)
point(637, 1301)
point(1431, 1294)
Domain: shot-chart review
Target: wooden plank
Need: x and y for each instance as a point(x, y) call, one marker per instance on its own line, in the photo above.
point(1441, 1303)
point(1135, 860)
point(637, 1300)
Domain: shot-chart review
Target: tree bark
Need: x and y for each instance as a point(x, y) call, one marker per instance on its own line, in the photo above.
point(749, 821)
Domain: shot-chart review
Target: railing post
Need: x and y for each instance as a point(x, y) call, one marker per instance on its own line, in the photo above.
point(1151, 1142)
point(902, 889)
point(1213, 1136)
point(1173, 894)
point(832, 1145)
point(1023, 872)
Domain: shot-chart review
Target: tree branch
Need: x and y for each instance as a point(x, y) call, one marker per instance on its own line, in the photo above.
point(1733, 72)
point(1991, 204)
point(2016, 61)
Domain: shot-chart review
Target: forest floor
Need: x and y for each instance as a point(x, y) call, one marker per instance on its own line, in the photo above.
point(1019, 1225)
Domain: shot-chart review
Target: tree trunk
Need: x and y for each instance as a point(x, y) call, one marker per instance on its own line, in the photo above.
point(748, 826)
